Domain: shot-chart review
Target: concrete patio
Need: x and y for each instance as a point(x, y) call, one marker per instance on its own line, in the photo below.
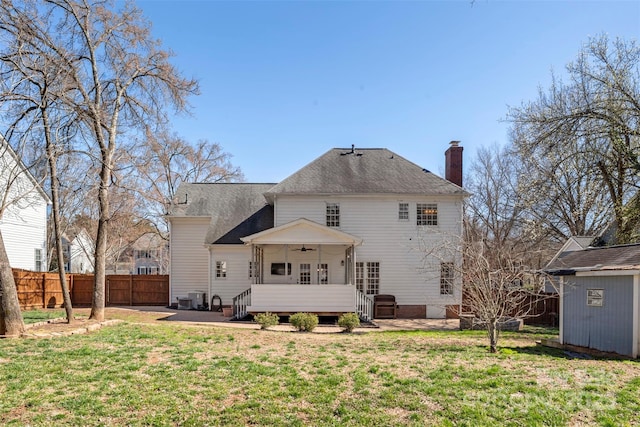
point(216, 318)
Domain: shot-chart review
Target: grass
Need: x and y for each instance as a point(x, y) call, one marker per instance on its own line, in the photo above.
point(172, 374)
point(34, 316)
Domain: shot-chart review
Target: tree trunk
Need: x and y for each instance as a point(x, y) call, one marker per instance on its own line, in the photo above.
point(55, 199)
point(11, 323)
point(98, 300)
point(492, 330)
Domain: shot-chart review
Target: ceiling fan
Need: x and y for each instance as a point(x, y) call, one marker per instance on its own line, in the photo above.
point(303, 249)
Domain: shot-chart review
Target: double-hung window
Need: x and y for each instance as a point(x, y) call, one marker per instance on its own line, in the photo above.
point(403, 211)
point(38, 259)
point(333, 214)
point(426, 214)
point(221, 269)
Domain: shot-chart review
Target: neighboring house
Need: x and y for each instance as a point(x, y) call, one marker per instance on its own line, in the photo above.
point(150, 255)
point(600, 298)
point(350, 225)
point(24, 221)
point(573, 243)
point(78, 252)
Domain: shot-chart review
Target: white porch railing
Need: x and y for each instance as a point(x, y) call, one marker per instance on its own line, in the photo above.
point(282, 298)
point(297, 298)
point(240, 304)
point(364, 306)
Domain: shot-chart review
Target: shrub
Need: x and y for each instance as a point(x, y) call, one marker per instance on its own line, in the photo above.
point(304, 321)
point(349, 321)
point(266, 320)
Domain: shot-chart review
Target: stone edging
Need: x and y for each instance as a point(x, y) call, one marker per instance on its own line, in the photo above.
point(78, 331)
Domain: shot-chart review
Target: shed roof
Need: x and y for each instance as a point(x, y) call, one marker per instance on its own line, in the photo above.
point(622, 257)
point(364, 171)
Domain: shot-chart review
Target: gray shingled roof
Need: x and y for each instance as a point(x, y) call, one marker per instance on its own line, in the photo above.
point(231, 206)
point(365, 171)
point(622, 257)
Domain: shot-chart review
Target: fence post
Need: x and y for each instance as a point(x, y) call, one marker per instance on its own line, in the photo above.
point(130, 289)
point(44, 290)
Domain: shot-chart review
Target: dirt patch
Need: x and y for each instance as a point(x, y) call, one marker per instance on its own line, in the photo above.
point(59, 327)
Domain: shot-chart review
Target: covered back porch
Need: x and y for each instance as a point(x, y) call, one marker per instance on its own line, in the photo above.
point(302, 266)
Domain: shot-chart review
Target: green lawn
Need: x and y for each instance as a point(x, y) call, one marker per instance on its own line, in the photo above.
point(172, 374)
point(35, 316)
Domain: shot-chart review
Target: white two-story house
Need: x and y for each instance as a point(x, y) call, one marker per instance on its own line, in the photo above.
point(23, 213)
point(352, 224)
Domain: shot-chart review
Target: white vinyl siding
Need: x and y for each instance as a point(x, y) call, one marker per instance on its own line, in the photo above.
point(189, 258)
point(237, 259)
point(395, 244)
point(24, 229)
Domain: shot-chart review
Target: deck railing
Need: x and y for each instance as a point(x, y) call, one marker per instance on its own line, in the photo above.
point(364, 306)
point(240, 303)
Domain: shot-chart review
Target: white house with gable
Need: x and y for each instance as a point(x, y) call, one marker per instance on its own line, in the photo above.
point(352, 224)
point(23, 213)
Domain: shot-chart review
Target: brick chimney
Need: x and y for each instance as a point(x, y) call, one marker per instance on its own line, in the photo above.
point(453, 163)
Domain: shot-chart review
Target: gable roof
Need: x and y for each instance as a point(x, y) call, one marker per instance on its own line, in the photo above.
point(228, 205)
point(623, 257)
point(364, 171)
point(573, 243)
point(302, 231)
point(5, 147)
point(259, 221)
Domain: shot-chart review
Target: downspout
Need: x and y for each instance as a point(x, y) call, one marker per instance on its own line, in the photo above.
point(209, 279)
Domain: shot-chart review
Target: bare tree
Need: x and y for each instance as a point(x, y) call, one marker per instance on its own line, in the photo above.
point(498, 212)
point(166, 160)
point(502, 246)
point(35, 113)
point(596, 115)
point(118, 80)
point(497, 287)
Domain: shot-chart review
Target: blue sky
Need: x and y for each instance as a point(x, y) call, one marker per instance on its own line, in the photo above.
point(283, 82)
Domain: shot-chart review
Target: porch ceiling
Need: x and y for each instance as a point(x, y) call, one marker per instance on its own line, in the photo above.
point(302, 231)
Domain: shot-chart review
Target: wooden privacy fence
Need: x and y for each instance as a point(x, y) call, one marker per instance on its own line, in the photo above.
point(43, 290)
point(542, 309)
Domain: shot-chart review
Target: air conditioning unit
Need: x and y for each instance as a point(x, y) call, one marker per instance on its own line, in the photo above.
point(198, 299)
point(184, 303)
